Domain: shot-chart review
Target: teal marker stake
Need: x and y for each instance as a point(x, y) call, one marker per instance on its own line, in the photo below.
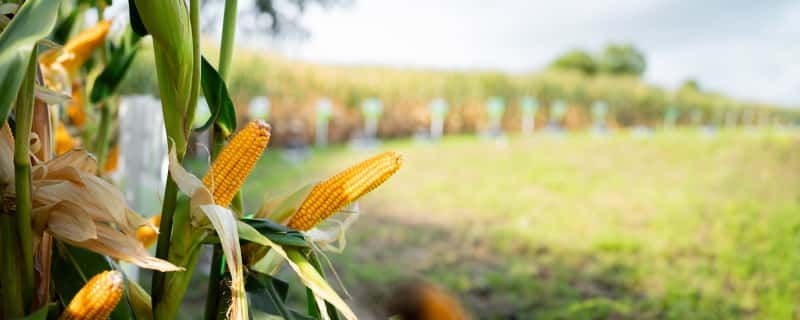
point(259, 108)
point(372, 108)
point(324, 109)
point(696, 117)
point(529, 106)
point(495, 107)
point(558, 110)
point(438, 108)
point(599, 112)
point(671, 117)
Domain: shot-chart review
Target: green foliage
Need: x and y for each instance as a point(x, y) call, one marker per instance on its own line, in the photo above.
point(33, 21)
point(576, 60)
point(622, 60)
point(223, 113)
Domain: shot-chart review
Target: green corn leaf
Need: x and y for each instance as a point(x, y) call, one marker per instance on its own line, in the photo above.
point(108, 81)
point(74, 267)
point(277, 233)
point(136, 20)
point(64, 28)
point(40, 314)
point(223, 113)
point(268, 294)
point(34, 21)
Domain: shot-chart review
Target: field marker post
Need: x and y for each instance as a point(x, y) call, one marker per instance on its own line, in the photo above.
point(438, 109)
point(529, 106)
point(324, 108)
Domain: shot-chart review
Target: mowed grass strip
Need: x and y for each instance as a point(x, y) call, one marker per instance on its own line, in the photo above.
point(675, 226)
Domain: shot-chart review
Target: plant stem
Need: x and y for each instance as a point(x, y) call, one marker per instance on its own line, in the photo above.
point(22, 171)
point(171, 189)
point(165, 231)
point(11, 305)
point(228, 37)
point(103, 134)
point(225, 55)
point(215, 277)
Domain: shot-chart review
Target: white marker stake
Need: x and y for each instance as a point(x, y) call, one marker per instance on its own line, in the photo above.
point(557, 112)
point(529, 106)
point(372, 108)
point(324, 109)
point(438, 109)
point(599, 111)
point(259, 108)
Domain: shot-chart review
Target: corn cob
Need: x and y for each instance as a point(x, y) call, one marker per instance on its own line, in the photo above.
point(146, 234)
point(330, 196)
point(112, 160)
point(234, 163)
point(97, 298)
point(64, 141)
point(75, 112)
point(78, 49)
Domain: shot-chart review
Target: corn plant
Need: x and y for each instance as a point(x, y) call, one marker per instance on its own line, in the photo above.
point(59, 212)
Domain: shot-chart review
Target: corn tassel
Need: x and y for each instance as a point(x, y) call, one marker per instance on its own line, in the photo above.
point(97, 298)
point(330, 196)
point(146, 234)
point(234, 163)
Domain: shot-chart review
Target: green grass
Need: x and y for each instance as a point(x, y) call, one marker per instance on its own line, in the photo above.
point(677, 226)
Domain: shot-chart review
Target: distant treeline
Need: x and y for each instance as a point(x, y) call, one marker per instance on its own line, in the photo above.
point(294, 88)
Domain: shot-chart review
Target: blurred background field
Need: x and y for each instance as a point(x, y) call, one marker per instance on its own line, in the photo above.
point(294, 88)
point(676, 226)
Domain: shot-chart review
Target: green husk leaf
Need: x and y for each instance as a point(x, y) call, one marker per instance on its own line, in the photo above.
point(224, 222)
point(223, 113)
point(304, 270)
point(282, 209)
point(33, 21)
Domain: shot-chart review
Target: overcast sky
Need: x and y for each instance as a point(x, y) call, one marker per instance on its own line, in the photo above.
point(744, 48)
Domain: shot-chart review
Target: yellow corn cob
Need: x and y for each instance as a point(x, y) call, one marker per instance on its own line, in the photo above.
point(75, 112)
point(234, 163)
point(78, 49)
point(146, 234)
point(97, 298)
point(330, 196)
point(112, 159)
point(64, 141)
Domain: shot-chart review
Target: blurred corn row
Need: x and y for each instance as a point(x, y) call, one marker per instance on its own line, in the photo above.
point(295, 87)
